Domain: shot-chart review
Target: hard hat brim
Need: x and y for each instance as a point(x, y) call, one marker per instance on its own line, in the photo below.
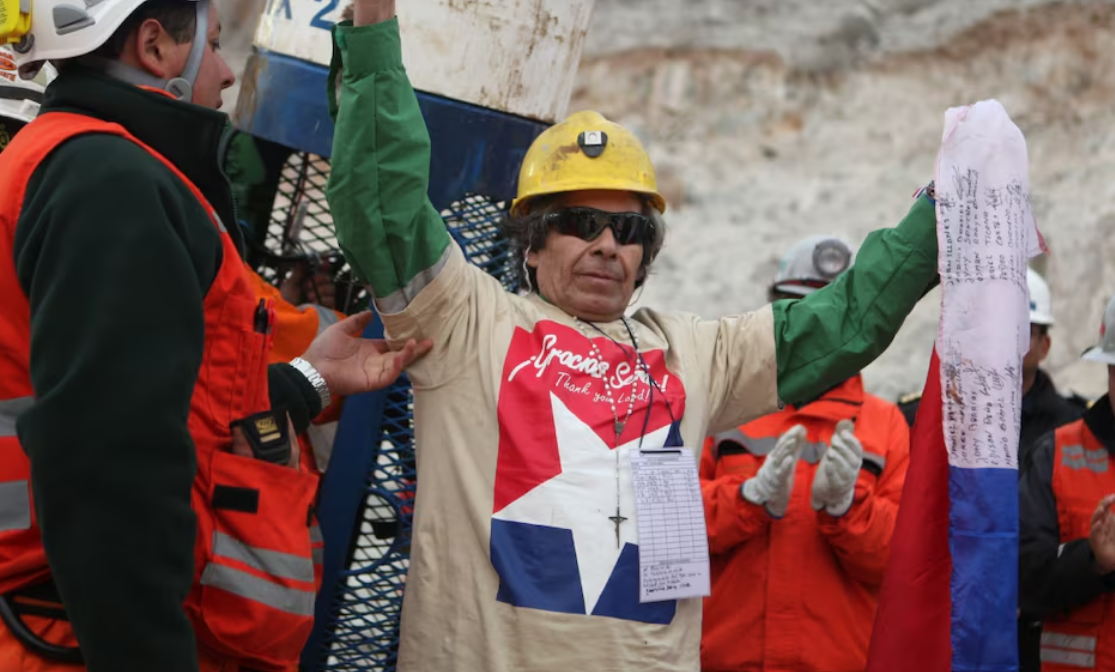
point(1097, 354)
point(1042, 319)
point(519, 205)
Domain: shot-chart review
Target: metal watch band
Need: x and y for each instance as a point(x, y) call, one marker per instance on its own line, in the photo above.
point(308, 370)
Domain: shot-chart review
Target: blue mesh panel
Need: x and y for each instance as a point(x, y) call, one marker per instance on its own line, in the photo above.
point(366, 636)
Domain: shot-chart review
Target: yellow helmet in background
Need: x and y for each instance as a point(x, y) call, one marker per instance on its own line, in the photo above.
point(585, 151)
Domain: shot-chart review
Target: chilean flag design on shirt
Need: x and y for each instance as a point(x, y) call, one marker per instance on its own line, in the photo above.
point(553, 540)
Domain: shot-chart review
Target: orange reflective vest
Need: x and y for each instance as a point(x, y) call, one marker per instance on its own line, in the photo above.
point(798, 594)
point(1083, 474)
point(255, 580)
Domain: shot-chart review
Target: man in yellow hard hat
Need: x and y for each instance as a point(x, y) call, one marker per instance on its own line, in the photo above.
point(531, 406)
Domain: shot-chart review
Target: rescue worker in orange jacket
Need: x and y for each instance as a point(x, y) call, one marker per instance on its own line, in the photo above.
point(800, 507)
point(144, 442)
point(1067, 539)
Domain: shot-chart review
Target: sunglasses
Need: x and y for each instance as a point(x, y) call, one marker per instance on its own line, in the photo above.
point(629, 228)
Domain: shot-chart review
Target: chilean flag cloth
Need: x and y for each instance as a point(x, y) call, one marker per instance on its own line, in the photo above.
point(949, 597)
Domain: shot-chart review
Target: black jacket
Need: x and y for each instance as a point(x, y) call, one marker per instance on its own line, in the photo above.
point(1052, 583)
point(115, 255)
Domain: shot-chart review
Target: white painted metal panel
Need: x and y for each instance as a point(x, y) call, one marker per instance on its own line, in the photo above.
point(516, 56)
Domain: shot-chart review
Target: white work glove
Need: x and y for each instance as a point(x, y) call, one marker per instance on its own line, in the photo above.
point(773, 484)
point(834, 486)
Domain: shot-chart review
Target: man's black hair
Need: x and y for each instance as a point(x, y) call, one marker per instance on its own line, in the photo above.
point(177, 17)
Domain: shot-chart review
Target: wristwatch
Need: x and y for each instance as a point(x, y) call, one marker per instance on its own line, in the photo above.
point(308, 370)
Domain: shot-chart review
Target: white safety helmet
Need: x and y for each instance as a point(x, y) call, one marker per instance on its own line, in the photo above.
point(62, 29)
point(811, 264)
point(20, 98)
point(1041, 306)
point(1104, 352)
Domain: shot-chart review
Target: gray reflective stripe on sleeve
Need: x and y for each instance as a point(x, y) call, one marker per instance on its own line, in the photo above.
point(761, 447)
point(730, 436)
point(15, 506)
point(877, 460)
point(319, 555)
point(10, 410)
point(1085, 661)
point(283, 565)
point(248, 586)
point(325, 317)
point(398, 300)
point(1061, 641)
point(315, 535)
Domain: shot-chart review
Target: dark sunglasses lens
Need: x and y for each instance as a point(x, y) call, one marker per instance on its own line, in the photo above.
point(629, 228)
point(632, 229)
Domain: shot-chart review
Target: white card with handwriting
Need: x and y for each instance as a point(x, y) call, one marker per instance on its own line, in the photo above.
point(673, 540)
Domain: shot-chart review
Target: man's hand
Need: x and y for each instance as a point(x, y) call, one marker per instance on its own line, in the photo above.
point(1102, 538)
point(774, 483)
point(834, 486)
point(351, 364)
point(367, 12)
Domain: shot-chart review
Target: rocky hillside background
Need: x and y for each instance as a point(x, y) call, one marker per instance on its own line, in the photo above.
point(771, 120)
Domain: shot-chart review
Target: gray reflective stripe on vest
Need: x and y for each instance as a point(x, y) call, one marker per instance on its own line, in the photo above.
point(811, 452)
point(325, 317)
point(1078, 642)
point(318, 552)
point(398, 300)
point(251, 587)
point(15, 506)
point(10, 410)
point(1085, 661)
point(1076, 457)
point(274, 563)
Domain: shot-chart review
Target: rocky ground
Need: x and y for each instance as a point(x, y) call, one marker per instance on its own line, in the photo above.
point(774, 119)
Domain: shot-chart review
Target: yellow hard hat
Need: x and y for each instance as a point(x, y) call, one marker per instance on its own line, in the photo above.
point(586, 151)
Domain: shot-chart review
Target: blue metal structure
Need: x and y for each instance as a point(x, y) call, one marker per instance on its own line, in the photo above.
point(364, 505)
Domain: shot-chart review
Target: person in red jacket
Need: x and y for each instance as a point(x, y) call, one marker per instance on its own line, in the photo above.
point(801, 506)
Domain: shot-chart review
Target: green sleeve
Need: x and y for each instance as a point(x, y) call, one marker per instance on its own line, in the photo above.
point(386, 226)
point(835, 332)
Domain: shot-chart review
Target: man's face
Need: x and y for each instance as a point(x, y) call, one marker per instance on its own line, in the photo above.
point(1039, 349)
point(214, 75)
point(590, 279)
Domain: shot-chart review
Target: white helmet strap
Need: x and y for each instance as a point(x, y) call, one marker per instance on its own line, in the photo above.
point(182, 86)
